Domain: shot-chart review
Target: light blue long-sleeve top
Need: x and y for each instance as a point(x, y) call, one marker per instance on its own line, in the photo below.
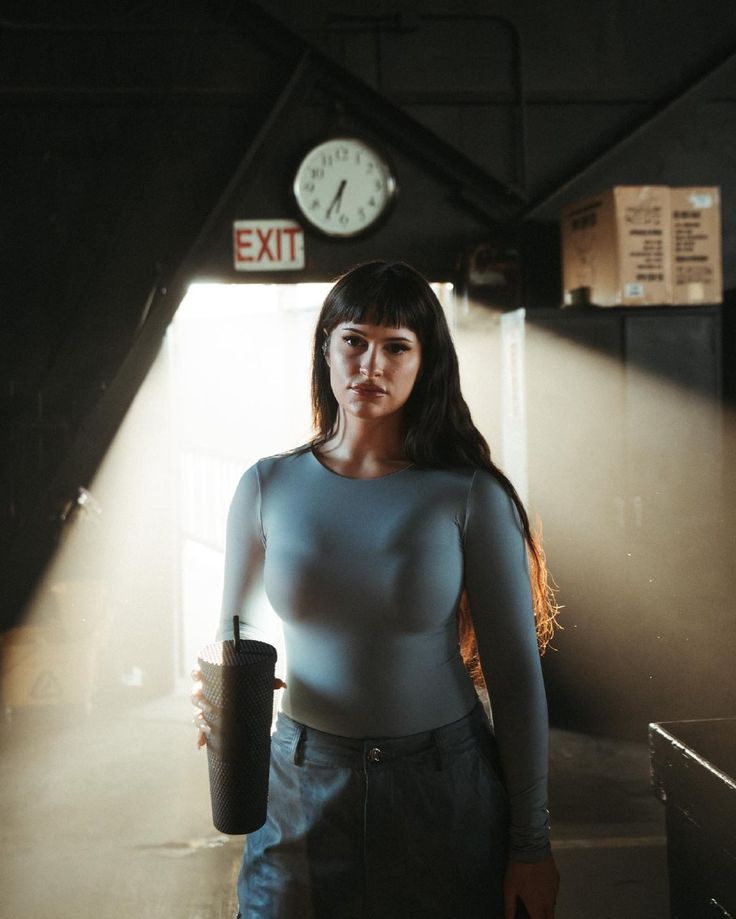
point(366, 576)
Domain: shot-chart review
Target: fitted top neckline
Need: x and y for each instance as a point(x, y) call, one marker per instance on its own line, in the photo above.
point(351, 478)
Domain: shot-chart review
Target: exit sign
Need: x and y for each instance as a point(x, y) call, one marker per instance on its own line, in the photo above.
point(268, 245)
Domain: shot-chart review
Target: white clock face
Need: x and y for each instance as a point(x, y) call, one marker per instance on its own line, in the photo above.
point(343, 186)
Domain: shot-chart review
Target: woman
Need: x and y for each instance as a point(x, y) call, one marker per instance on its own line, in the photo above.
point(387, 546)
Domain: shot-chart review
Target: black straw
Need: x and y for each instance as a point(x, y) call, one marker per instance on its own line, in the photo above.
point(236, 633)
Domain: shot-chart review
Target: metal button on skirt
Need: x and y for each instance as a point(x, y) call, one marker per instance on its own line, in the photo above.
point(382, 828)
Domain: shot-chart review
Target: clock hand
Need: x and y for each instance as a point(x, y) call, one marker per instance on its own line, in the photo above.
point(338, 197)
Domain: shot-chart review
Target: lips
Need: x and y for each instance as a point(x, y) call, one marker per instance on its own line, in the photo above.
point(368, 389)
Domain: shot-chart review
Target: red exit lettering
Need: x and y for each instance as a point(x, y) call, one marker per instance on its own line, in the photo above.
point(268, 245)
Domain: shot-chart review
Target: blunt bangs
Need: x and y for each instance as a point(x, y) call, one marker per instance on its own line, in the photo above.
point(383, 294)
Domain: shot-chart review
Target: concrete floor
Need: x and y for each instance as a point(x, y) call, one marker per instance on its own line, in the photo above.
point(109, 817)
point(608, 829)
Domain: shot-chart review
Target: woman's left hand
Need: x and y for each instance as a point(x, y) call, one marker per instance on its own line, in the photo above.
point(536, 885)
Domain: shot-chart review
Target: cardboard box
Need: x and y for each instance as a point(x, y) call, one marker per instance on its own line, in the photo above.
point(643, 245)
point(36, 669)
point(54, 660)
point(697, 274)
point(616, 247)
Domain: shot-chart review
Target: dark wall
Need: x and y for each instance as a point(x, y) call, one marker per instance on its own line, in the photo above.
point(629, 471)
point(116, 138)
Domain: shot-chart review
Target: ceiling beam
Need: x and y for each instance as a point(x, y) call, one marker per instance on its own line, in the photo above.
point(601, 172)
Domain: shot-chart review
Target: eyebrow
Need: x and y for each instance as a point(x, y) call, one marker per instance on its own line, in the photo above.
point(349, 328)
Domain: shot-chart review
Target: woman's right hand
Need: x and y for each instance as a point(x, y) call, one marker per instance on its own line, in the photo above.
point(202, 706)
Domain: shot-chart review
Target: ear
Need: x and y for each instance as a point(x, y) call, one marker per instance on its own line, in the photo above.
point(325, 348)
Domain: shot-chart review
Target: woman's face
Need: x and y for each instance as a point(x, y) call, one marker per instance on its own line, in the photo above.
point(373, 368)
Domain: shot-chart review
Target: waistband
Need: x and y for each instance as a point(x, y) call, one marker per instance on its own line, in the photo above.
point(302, 743)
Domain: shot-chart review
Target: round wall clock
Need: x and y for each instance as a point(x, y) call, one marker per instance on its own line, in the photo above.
point(343, 186)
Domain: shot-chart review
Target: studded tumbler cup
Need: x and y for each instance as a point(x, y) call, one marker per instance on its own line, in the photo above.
point(237, 682)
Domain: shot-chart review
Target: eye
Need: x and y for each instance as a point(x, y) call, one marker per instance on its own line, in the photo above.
point(354, 341)
point(396, 347)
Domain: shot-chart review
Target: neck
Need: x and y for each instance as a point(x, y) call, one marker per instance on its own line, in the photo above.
point(363, 448)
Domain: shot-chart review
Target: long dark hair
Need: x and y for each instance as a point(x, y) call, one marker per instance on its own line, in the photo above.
point(438, 429)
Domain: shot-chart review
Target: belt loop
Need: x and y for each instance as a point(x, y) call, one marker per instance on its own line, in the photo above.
point(441, 750)
point(296, 748)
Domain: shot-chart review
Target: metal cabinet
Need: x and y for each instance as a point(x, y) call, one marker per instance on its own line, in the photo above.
point(694, 775)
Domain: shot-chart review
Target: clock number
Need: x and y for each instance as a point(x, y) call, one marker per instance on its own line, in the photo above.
point(317, 173)
point(361, 213)
point(372, 201)
point(327, 160)
point(344, 220)
point(315, 204)
point(378, 184)
point(309, 186)
point(369, 167)
point(341, 154)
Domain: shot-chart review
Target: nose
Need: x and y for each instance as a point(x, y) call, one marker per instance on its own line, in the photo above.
point(371, 364)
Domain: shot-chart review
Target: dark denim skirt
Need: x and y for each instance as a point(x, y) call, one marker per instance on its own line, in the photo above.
point(381, 828)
